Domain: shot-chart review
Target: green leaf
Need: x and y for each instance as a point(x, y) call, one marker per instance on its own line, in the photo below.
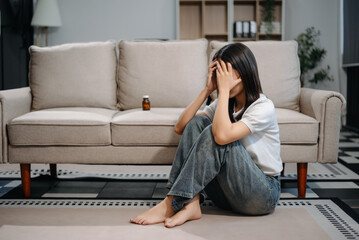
point(310, 55)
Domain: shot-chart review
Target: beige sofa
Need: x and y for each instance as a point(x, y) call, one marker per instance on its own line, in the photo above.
point(83, 104)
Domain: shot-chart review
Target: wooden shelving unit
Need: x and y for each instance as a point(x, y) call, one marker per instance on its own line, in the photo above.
point(203, 19)
point(214, 19)
point(191, 19)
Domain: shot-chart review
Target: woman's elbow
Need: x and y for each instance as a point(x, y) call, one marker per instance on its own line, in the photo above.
point(178, 130)
point(218, 136)
point(220, 140)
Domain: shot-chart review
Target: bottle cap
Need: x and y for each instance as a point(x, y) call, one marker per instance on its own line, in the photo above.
point(146, 96)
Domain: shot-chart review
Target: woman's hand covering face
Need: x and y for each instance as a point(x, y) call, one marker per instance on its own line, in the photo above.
point(211, 84)
point(225, 79)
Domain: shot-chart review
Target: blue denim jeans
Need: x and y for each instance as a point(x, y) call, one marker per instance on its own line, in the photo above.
point(225, 173)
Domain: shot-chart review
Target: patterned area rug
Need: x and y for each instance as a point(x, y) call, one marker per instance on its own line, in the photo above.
point(106, 219)
point(105, 196)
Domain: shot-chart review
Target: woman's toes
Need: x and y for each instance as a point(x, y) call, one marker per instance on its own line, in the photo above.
point(137, 220)
point(169, 222)
point(169, 225)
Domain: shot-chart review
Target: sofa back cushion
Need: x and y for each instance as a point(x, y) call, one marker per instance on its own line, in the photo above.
point(73, 75)
point(278, 68)
point(171, 72)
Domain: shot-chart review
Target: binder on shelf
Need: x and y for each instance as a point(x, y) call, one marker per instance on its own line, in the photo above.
point(253, 29)
point(246, 29)
point(237, 29)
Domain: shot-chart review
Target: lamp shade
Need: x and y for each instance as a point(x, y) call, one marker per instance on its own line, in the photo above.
point(46, 14)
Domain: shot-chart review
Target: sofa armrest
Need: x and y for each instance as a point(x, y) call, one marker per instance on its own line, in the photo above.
point(325, 107)
point(13, 103)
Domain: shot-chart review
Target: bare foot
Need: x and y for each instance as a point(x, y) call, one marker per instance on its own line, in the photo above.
point(157, 214)
point(190, 211)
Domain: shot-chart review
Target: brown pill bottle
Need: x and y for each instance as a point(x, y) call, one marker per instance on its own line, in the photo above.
point(146, 103)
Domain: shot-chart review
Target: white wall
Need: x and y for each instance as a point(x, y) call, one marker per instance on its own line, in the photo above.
point(100, 20)
point(324, 15)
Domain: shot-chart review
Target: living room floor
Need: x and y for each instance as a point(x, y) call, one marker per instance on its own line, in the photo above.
point(342, 181)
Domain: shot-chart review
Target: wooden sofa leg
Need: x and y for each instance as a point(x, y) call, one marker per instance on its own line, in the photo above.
point(53, 171)
point(302, 178)
point(25, 178)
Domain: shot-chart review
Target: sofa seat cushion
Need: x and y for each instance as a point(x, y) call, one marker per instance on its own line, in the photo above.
point(62, 126)
point(156, 127)
point(296, 127)
point(138, 127)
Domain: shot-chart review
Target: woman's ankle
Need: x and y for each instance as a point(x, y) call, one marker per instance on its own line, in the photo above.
point(169, 198)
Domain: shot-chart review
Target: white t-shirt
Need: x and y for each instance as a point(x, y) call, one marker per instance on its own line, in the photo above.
point(263, 144)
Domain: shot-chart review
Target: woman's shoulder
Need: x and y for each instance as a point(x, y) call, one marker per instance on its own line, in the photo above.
point(262, 102)
point(262, 107)
point(260, 115)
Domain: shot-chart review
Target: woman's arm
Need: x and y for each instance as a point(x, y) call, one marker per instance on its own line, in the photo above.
point(224, 131)
point(191, 109)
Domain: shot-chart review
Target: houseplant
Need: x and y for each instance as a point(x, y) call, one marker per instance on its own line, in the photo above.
point(268, 17)
point(310, 56)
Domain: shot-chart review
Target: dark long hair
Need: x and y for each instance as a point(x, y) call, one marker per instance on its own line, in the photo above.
point(242, 59)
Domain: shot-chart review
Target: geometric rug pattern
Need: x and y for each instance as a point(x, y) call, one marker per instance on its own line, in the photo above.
point(316, 171)
point(331, 218)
